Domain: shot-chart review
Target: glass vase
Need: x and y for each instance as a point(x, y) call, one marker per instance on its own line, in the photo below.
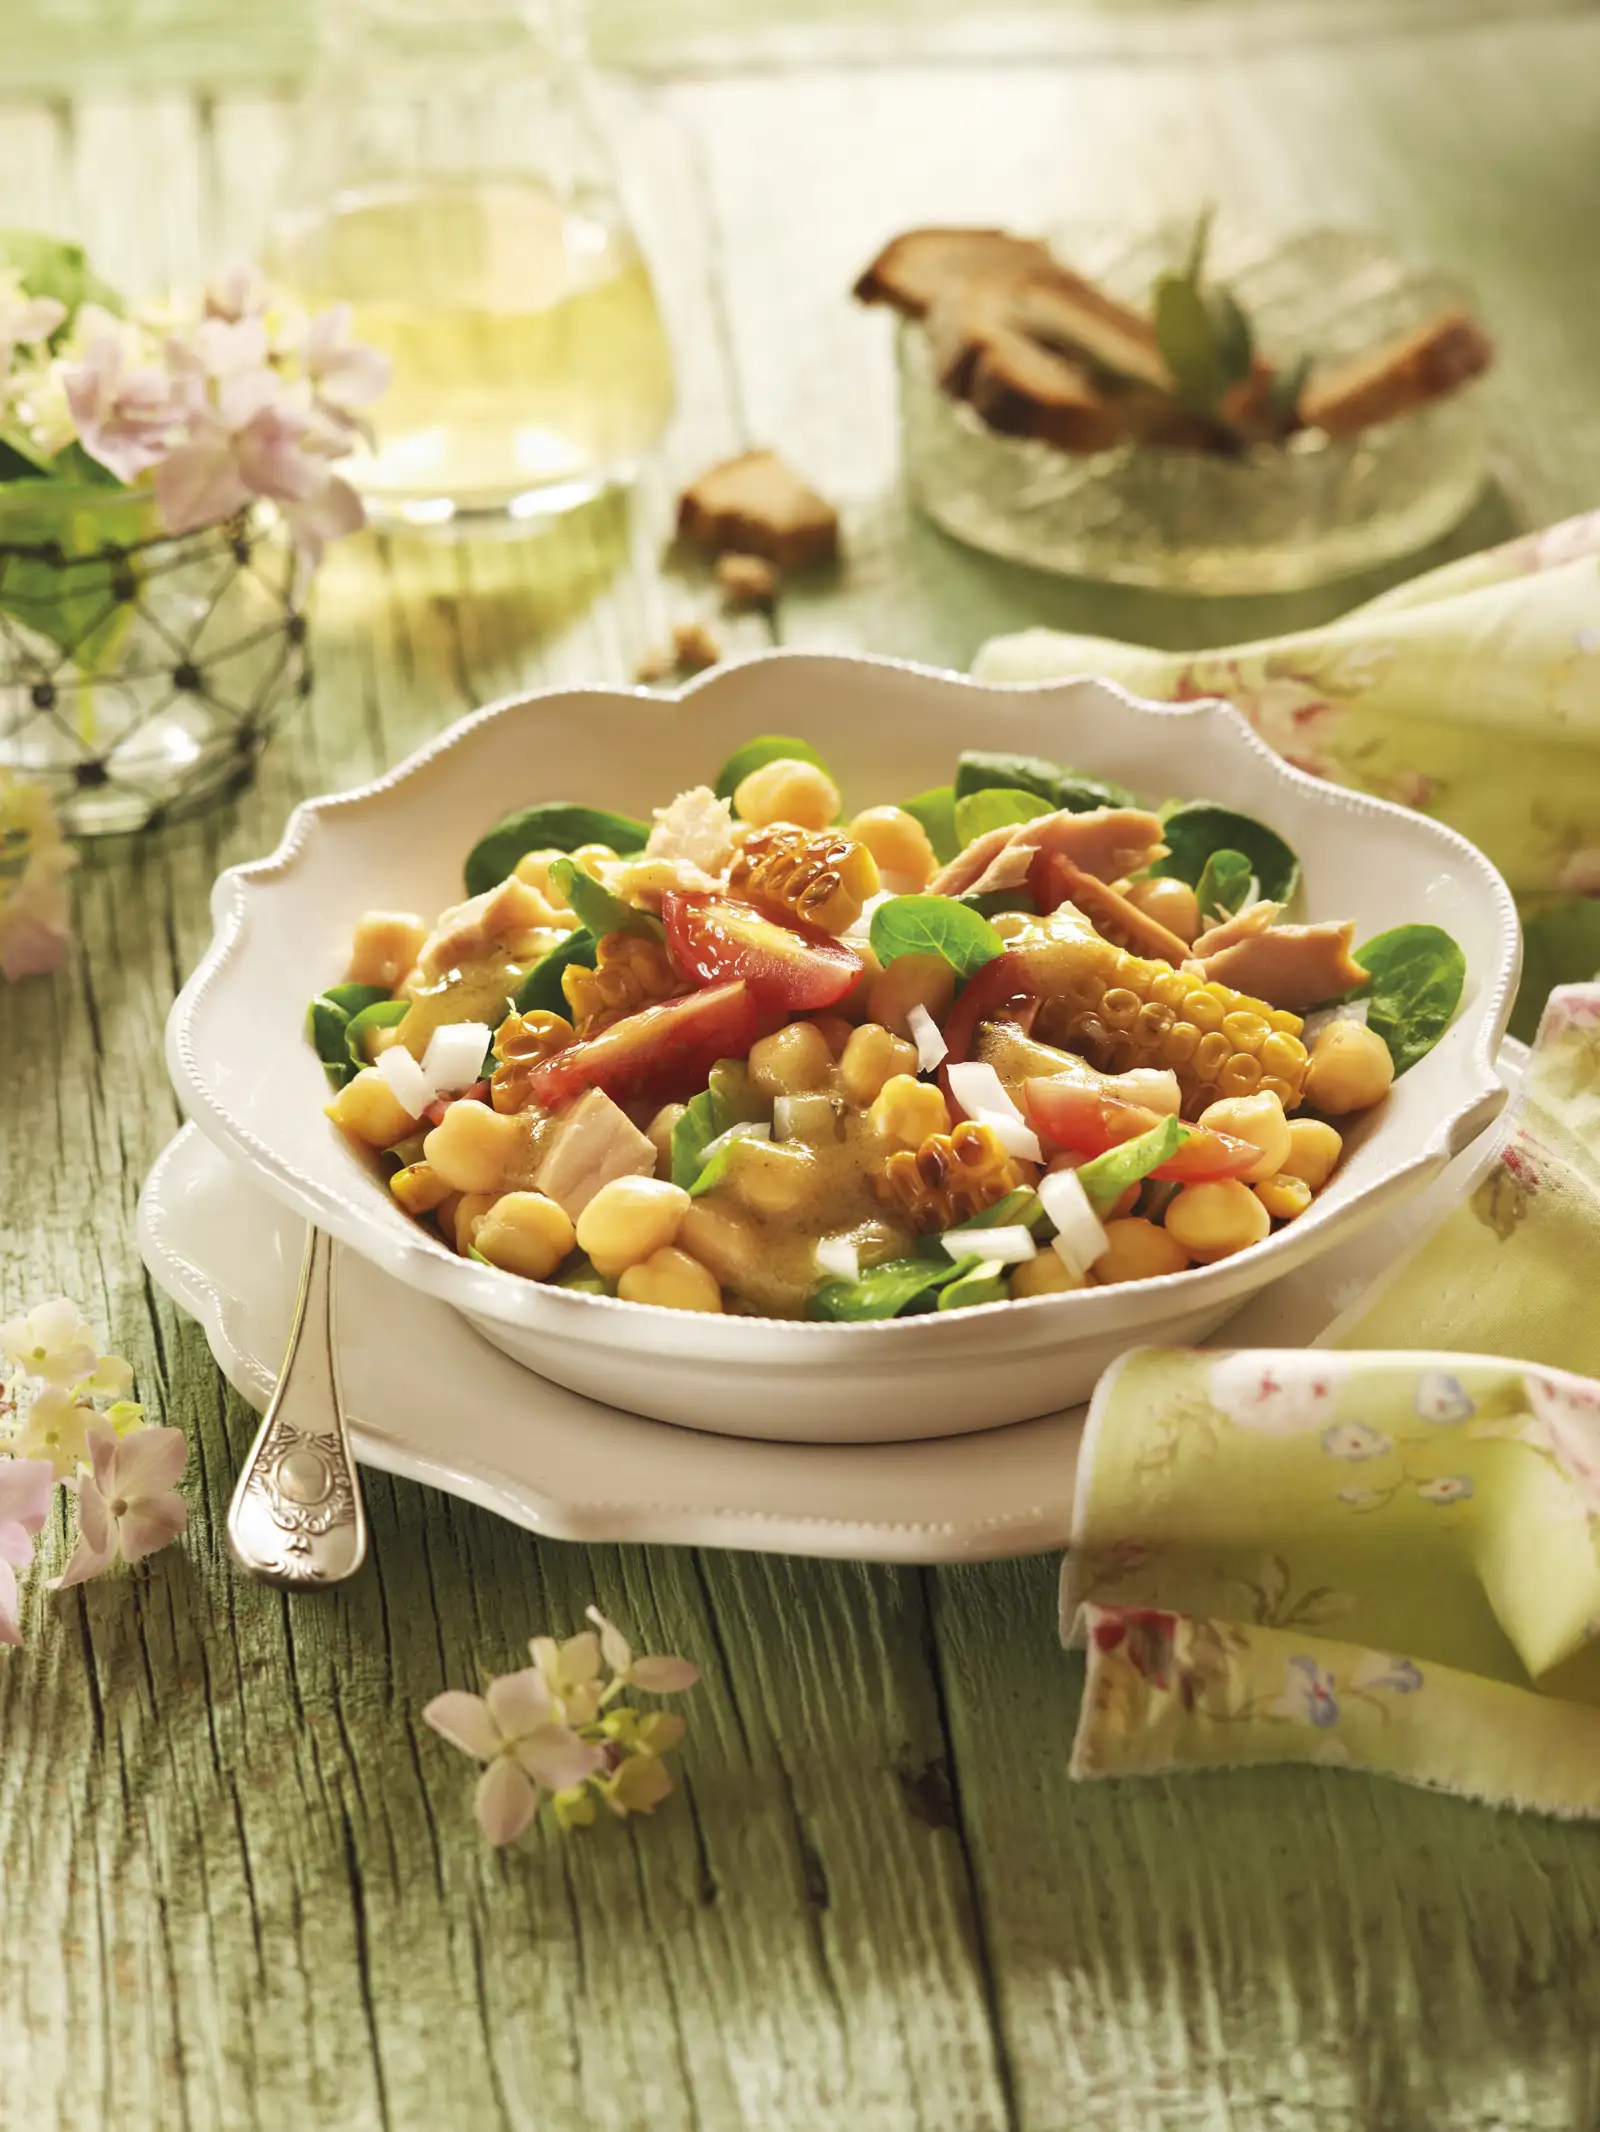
point(448, 184)
point(141, 673)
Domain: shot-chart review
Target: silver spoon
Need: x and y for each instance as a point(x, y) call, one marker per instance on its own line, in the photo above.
point(296, 1517)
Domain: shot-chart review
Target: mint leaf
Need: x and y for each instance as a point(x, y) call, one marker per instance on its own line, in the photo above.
point(555, 825)
point(770, 747)
point(934, 925)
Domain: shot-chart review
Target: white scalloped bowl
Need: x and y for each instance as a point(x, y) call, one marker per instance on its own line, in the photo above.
point(244, 1073)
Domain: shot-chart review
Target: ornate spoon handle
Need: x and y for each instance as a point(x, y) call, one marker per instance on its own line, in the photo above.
point(296, 1515)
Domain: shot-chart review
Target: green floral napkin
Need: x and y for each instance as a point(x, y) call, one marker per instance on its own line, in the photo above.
point(1383, 1553)
point(1472, 693)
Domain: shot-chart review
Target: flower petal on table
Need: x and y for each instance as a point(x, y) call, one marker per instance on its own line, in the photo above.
point(505, 1801)
point(465, 1722)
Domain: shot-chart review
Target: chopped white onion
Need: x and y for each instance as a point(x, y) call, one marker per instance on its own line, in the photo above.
point(744, 1130)
point(839, 1257)
point(862, 928)
point(1154, 1087)
point(1350, 1010)
point(932, 1050)
point(454, 1057)
point(1008, 1245)
point(978, 1088)
point(1080, 1234)
point(781, 1125)
point(1016, 1137)
point(412, 1088)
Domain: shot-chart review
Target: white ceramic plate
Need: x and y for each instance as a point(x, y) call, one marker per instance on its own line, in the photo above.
point(246, 1076)
point(431, 1400)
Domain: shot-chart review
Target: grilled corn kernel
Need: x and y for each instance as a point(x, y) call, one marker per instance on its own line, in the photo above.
point(630, 971)
point(769, 1178)
point(1169, 901)
point(822, 879)
point(672, 1279)
point(1258, 1119)
point(418, 1187)
point(475, 1149)
point(906, 1111)
point(659, 1134)
point(899, 844)
point(790, 1062)
point(1351, 1069)
point(520, 1042)
point(470, 1210)
point(870, 1058)
point(1314, 1151)
point(787, 790)
point(627, 1220)
point(386, 946)
point(721, 1239)
point(1046, 1274)
point(912, 981)
point(525, 1233)
point(589, 858)
point(1118, 1011)
point(950, 1177)
point(1137, 1250)
point(1212, 1221)
point(368, 1109)
point(1284, 1197)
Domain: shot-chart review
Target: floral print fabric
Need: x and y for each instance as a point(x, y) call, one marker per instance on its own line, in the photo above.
point(1436, 1512)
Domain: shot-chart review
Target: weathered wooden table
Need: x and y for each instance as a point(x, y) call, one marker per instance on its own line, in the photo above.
point(239, 1884)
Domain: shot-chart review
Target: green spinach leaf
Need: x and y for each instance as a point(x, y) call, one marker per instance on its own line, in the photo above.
point(383, 1013)
point(705, 1118)
point(716, 1158)
point(1108, 1176)
point(975, 1283)
point(996, 807)
point(770, 747)
point(1415, 977)
point(936, 811)
point(981, 769)
point(594, 906)
point(328, 1021)
point(578, 1274)
point(555, 825)
point(934, 925)
point(1197, 829)
point(1223, 885)
point(882, 1291)
point(540, 991)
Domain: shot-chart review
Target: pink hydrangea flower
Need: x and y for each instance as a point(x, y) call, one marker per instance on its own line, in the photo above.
point(25, 1488)
point(127, 413)
point(128, 1504)
point(514, 1729)
point(34, 862)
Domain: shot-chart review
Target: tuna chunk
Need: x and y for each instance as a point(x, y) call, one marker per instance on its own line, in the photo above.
point(695, 830)
point(510, 916)
point(1107, 842)
point(1292, 966)
point(1243, 925)
point(593, 1142)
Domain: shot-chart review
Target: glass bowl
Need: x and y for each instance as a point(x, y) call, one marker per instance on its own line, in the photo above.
point(1274, 521)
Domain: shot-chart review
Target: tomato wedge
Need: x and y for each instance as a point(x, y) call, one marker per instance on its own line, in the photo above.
point(662, 1053)
point(1077, 1116)
point(999, 984)
point(716, 939)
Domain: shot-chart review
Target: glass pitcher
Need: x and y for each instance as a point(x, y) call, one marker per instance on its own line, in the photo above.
point(447, 182)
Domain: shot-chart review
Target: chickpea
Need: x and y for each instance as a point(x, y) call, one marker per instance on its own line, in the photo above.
point(791, 1062)
point(872, 1057)
point(672, 1279)
point(534, 868)
point(787, 790)
point(1258, 1119)
point(1047, 1274)
point(835, 1032)
point(912, 981)
point(470, 1210)
point(1138, 1250)
point(368, 1109)
point(628, 1220)
point(590, 858)
point(1008, 924)
point(659, 1134)
point(386, 946)
point(476, 1149)
point(1284, 1197)
point(906, 1111)
point(898, 842)
point(729, 1081)
point(419, 1188)
point(1212, 1221)
point(525, 1233)
point(1350, 1069)
point(720, 1239)
point(856, 1006)
point(1314, 1151)
point(1169, 901)
point(772, 1178)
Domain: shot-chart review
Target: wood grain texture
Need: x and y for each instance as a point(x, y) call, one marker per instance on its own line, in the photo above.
point(239, 1885)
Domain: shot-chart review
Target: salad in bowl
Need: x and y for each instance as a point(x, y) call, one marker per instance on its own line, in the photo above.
point(1024, 1034)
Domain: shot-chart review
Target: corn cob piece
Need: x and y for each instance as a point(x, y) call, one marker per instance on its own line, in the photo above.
point(1119, 1011)
point(520, 1043)
point(630, 971)
point(820, 877)
point(950, 1178)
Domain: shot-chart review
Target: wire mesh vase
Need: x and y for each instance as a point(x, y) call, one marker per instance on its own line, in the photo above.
point(141, 673)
